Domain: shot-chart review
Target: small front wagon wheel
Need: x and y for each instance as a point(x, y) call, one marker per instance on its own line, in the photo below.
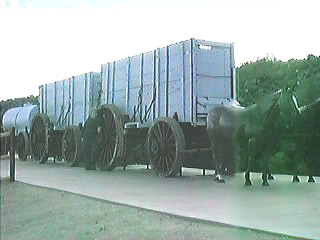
point(23, 146)
point(72, 145)
point(165, 142)
point(39, 136)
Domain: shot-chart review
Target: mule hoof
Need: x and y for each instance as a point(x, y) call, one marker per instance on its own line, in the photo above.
point(295, 179)
point(311, 179)
point(265, 184)
point(270, 177)
point(221, 181)
point(248, 183)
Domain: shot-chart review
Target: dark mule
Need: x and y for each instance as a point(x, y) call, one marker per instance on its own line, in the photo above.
point(306, 128)
point(258, 124)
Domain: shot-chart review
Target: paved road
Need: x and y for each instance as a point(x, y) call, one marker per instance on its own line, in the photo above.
point(283, 207)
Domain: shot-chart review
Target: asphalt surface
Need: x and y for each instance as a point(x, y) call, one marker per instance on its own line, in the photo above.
point(283, 207)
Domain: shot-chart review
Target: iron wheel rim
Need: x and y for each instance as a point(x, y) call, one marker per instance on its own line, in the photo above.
point(165, 143)
point(39, 138)
point(71, 144)
point(111, 137)
point(22, 146)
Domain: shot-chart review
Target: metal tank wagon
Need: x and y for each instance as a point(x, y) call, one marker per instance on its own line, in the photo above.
point(21, 119)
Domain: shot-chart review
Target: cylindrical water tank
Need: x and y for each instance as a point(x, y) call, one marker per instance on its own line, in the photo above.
point(19, 117)
point(9, 118)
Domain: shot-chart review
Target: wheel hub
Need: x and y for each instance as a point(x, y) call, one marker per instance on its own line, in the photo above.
point(155, 148)
point(159, 148)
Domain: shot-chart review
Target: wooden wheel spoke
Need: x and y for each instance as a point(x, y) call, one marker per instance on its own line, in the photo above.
point(167, 132)
point(164, 164)
point(110, 126)
point(101, 156)
point(159, 162)
point(170, 138)
point(155, 133)
point(159, 131)
point(167, 164)
point(105, 156)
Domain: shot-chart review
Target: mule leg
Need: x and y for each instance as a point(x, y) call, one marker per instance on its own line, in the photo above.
point(295, 178)
point(270, 177)
point(217, 160)
point(264, 179)
point(215, 175)
point(311, 164)
point(311, 179)
point(247, 179)
point(251, 154)
point(264, 172)
point(219, 178)
point(247, 173)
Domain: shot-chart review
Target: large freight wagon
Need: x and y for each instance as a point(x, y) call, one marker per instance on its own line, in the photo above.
point(153, 106)
point(64, 107)
point(157, 103)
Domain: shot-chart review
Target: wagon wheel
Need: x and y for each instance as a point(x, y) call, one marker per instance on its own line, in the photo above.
point(72, 145)
point(23, 146)
point(110, 137)
point(165, 141)
point(39, 136)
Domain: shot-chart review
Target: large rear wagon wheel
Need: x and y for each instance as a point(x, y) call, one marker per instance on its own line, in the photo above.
point(23, 146)
point(39, 136)
point(165, 142)
point(110, 137)
point(72, 145)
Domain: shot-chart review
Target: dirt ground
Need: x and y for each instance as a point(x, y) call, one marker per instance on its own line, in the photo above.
point(29, 212)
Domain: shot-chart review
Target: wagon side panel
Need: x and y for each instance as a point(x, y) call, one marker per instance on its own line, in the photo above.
point(50, 99)
point(95, 92)
point(133, 84)
point(119, 85)
point(60, 108)
point(179, 89)
point(147, 85)
point(161, 86)
point(41, 98)
point(214, 74)
point(66, 102)
point(80, 95)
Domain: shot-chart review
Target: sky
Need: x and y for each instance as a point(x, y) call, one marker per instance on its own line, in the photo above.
point(43, 41)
